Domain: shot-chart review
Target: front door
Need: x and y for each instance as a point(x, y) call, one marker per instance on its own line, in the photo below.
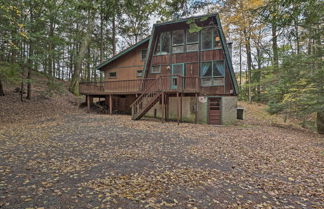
point(177, 69)
point(214, 111)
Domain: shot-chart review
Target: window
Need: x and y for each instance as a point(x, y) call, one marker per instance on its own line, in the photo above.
point(206, 38)
point(163, 45)
point(210, 39)
point(217, 43)
point(156, 69)
point(139, 73)
point(178, 40)
point(178, 69)
point(143, 54)
point(112, 75)
point(218, 68)
point(192, 41)
point(212, 73)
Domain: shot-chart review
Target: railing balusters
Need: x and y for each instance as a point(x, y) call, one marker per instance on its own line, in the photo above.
point(162, 83)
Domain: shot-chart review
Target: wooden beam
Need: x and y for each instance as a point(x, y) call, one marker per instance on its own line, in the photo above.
point(110, 104)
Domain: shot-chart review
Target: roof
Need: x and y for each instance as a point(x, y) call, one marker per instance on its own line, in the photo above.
point(123, 53)
point(222, 37)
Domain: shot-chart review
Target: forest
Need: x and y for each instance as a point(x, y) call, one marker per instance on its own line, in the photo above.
point(277, 45)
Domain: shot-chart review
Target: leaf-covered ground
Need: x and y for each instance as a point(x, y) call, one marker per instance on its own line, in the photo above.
point(81, 160)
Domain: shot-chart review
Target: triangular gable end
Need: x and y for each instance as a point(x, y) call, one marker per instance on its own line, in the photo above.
point(224, 45)
point(227, 54)
point(123, 53)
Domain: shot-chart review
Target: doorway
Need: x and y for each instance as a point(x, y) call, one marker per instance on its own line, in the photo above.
point(177, 69)
point(214, 111)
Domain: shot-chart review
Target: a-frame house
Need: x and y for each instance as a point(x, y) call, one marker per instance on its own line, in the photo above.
point(182, 72)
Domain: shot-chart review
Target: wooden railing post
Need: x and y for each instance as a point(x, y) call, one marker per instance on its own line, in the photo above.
point(160, 83)
point(197, 84)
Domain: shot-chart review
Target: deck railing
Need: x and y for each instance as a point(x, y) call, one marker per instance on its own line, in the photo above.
point(163, 83)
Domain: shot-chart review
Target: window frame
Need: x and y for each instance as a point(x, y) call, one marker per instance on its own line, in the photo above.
point(137, 73)
point(158, 44)
point(143, 59)
point(178, 45)
point(178, 64)
point(192, 43)
point(213, 77)
point(151, 71)
point(112, 77)
point(214, 32)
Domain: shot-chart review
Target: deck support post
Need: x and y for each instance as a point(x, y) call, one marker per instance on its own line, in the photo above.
point(107, 103)
point(88, 103)
point(163, 108)
point(181, 94)
point(196, 108)
point(178, 108)
point(110, 104)
point(166, 107)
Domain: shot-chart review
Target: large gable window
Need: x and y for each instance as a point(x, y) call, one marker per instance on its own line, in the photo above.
point(192, 41)
point(206, 38)
point(212, 73)
point(210, 38)
point(178, 40)
point(163, 45)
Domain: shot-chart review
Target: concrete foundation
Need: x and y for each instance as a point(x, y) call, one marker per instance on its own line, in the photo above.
point(229, 105)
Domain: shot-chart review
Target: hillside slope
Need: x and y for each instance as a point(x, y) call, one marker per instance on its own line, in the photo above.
point(44, 103)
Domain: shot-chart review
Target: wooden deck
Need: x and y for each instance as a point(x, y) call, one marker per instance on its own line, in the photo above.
point(125, 87)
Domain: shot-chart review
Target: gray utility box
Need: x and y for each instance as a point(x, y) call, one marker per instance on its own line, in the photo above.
point(240, 113)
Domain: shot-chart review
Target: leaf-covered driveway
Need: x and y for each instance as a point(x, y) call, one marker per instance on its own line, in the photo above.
point(102, 161)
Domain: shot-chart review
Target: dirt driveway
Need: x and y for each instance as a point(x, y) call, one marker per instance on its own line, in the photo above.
point(101, 161)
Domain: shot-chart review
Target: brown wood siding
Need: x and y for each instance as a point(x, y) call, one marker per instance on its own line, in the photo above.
point(158, 60)
point(192, 68)
point(126, 66)
point(228, 82)
point(185, 57)
point(211, 55)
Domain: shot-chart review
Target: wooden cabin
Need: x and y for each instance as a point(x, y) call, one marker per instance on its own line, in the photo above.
point(182, 72)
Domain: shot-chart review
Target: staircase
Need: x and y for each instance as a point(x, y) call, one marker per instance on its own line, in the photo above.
point(146, 101)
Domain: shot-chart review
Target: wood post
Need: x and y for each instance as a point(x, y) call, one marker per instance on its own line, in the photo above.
point(196, 108)
point(107, 103)
point(110, 104)
point(178, 108)
point(166, 107)
point(88, 103)
point(163, 108)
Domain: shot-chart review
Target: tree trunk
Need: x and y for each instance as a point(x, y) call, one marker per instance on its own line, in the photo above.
point(1, 89)
point(29, 72)
point(258, 73)
point(114, 35)
point(240, 65)
point(275, 45)
point(29, 86)
point(88, 65)
point(74, 85)
point(249, 63)
point(320, 122)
